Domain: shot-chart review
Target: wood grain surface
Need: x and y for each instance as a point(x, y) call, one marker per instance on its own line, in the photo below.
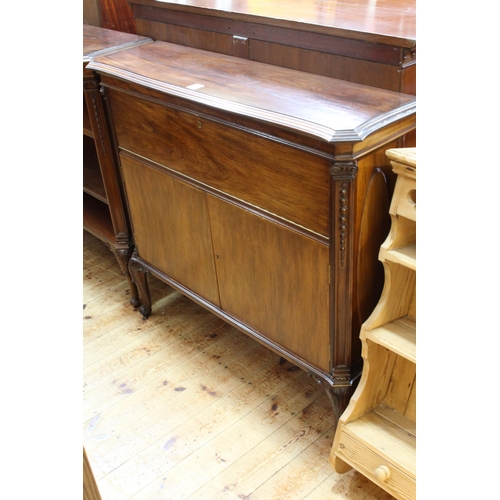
point(363, 19)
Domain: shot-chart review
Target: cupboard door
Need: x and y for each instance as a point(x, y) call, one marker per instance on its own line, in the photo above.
point(171, 226)
point(273, 279)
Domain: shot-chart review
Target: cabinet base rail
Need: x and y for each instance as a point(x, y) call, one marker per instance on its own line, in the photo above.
point(338, 389)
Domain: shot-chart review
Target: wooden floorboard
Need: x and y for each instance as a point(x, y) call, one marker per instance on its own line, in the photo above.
point(184, 406)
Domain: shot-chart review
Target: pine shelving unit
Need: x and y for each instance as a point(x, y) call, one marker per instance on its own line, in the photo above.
point(377, 432)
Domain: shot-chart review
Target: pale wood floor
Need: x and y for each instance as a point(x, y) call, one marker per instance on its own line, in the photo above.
point(183, 406)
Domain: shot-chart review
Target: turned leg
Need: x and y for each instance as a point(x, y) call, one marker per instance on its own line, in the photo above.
point(138, 274)
point(122, 256)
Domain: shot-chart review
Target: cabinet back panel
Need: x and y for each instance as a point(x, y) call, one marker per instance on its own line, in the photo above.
point(376, 74)
point(284, 181)
point(412, 313)
point(411, 407)
point(191, 37)
point(274, 278)
point(171, 227)
point(400, 395)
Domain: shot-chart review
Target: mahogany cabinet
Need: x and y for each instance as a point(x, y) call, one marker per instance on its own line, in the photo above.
point(260, 192)
point(104, 213)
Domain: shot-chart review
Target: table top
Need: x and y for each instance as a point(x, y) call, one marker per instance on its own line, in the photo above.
point(98, 41)
point(331, 109)
point(390, 21)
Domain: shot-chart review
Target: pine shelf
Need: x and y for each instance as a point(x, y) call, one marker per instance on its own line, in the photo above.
point(406, 256)
point(399, 336)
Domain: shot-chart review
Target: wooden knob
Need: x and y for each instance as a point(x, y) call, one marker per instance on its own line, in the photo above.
point(382, 473)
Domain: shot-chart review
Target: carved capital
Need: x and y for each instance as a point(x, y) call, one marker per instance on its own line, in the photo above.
point(344, 170)
point(90, 84)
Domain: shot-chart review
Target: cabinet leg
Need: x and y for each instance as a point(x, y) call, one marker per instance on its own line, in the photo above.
point(138, 274)
point(339, 396)
point(122, 256)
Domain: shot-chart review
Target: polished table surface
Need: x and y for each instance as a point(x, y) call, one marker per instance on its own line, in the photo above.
point(331, 109)
point(372, 42)
point(98, 41)
point(370, 20)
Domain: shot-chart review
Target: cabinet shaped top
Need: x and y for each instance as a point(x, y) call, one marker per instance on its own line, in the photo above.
point(322, 107)
point(98, 41)
point(391, 22)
